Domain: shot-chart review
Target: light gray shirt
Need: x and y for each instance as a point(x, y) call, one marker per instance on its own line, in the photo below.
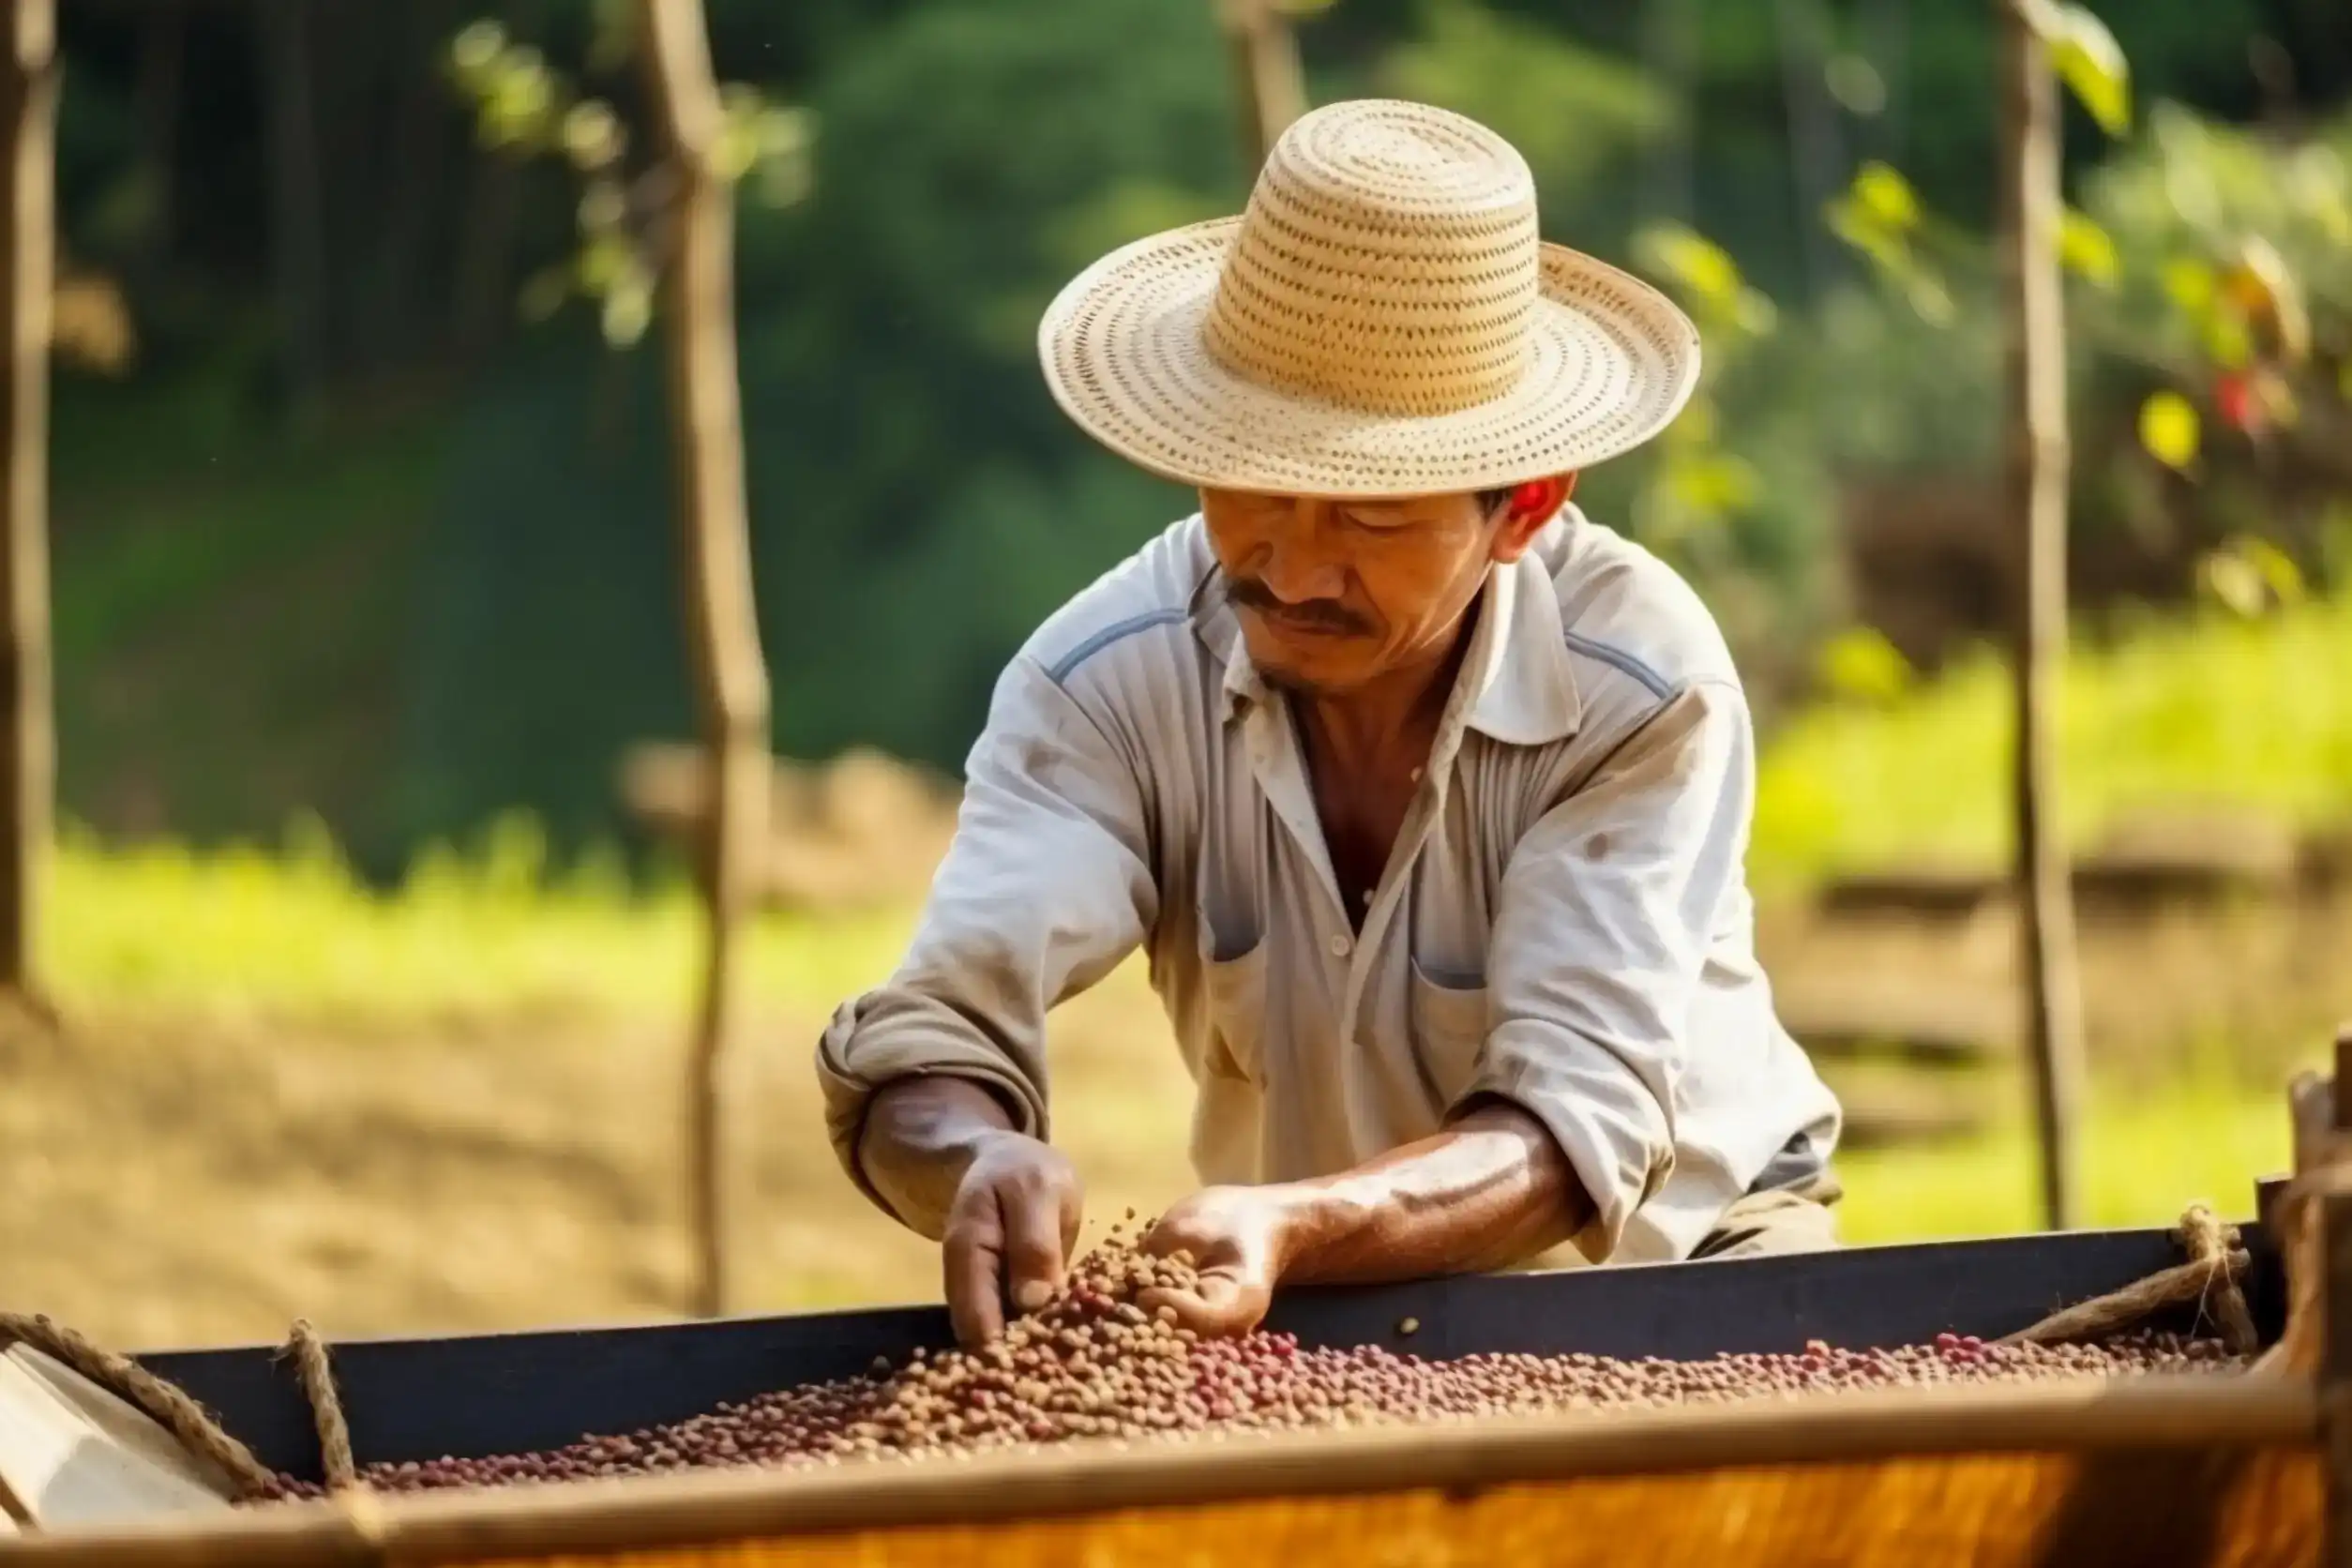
point(1564, 922)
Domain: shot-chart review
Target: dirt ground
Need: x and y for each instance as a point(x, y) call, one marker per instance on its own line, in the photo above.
point(171, 1182)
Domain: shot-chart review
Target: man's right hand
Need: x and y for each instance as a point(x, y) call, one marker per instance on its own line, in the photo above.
point(1004, 1207)
point(1010, 1232)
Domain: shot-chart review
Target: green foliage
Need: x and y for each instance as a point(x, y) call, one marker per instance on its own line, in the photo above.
point(524, 108)
point(1574, 114)
point(1697, 486)
point(2230, 325)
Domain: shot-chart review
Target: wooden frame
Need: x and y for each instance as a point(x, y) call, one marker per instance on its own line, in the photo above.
point(482, 1394)
point(2077, 1459)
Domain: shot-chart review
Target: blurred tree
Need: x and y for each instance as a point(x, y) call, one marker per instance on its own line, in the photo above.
point(669, 227)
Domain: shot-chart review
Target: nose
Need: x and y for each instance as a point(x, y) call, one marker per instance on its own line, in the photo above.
point(1298, 564)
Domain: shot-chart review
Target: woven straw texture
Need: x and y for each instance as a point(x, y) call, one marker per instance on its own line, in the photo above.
point(1382, 321)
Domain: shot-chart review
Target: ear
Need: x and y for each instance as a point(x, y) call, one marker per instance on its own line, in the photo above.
point(1531, 507)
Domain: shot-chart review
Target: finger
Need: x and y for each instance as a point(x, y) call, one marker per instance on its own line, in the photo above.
point(974, 1263)
point(1221, 1307)
point(1035, 1259)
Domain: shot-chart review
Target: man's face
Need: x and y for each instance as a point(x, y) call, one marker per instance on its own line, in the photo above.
point(1332, 595)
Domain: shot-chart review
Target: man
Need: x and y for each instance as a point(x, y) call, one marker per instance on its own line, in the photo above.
point(1426, 798)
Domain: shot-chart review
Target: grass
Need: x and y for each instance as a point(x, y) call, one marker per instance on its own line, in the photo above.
point(2146, 1156)
point(295, 934)
point(2208, 711)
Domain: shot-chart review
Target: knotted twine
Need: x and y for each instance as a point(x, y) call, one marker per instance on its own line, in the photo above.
point(187, 1421)
point(2210, 1278)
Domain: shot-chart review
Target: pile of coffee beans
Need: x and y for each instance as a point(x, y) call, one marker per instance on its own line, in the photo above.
point(1095, 1364)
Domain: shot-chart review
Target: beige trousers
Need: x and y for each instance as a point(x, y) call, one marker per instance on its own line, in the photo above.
point(1766, 1223)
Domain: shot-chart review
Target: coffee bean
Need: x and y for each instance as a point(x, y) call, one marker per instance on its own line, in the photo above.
point(1092, 1363)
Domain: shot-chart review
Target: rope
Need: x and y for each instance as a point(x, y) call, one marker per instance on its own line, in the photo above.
point(327, 1407)
point(133, 1383)
point(2209, 1279)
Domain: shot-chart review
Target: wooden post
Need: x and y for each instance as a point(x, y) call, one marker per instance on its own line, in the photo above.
point(2334, 1219)
point(2035, 493)
point(715, 540)
point(28, 100)
point(1268, 80)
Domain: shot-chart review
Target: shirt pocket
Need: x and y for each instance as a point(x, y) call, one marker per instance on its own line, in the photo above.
point(1233, 984)
point(1450, 1024)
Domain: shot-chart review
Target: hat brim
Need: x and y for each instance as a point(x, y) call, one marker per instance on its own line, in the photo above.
point(1611, 363)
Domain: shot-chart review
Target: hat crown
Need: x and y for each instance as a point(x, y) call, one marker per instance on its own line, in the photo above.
point(1388, 261)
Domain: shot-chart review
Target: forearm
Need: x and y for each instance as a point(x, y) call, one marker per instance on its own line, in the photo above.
point(921, 1134)
point(1491, 1190)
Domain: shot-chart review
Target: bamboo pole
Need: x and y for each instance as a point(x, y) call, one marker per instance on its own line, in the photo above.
point(1269, 83)
point(28, 103)
point(714, 541)
point(2035, 486)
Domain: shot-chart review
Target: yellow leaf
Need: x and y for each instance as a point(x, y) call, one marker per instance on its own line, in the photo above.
point(2091, 64)
point(473, 50)
point(2232, 580)
point(591, 134)
point(1887, 197)
point(628, 311)
point(2088, 251)
point(785, 132)
point(2277, 398)
point(2277, 568)
point(2190, 284)
point(2169, 430)
point(1692, 260)
point(1860, 664)
point(2262, 287)
point(1931, 299)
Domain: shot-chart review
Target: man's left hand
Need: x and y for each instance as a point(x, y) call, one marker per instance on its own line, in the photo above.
point(1240, 1238)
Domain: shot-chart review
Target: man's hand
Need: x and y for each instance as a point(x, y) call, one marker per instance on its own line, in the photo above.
point(1009, 1234)
point(1491, 1189)
point(1240, 1241)
point(944, 1155)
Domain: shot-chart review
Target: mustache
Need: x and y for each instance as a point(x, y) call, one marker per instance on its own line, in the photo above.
point(1317, 615)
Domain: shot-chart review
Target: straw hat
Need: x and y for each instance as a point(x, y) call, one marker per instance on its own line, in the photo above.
point(1382, 321)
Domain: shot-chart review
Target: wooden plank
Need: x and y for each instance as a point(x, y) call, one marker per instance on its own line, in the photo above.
point(67, 1459)
point(1978, 1512)
point(2161, 1469)
point(122, 1423)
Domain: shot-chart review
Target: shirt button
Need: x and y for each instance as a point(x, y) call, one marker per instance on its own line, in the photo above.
point(1341, 947)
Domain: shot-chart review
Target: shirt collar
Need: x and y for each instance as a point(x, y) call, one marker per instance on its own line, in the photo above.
point(1516, 683)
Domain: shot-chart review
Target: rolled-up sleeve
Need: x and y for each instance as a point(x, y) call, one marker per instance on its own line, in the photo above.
point(1046, 888)
point(1607, 911)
